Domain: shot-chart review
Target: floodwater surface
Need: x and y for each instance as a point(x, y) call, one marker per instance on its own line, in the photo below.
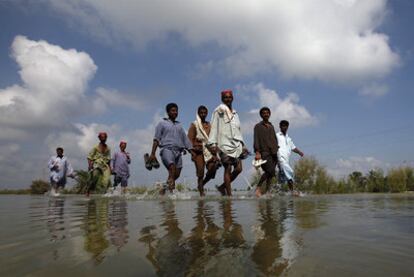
point(342, 235)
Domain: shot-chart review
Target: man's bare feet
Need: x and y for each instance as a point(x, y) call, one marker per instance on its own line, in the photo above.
point(258, 192)
point(201, 190)
point(221, 189)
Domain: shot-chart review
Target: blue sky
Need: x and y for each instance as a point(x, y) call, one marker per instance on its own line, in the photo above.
point(339, 70)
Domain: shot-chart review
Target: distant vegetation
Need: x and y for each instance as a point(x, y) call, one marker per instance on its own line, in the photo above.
point(313, 177)
point(39, 187)
point(310, 177)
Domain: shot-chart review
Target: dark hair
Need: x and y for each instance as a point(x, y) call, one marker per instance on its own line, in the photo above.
point(59, 148)
point(202, 108)
point(284, 123)
point(170, 106)
point(264, 109)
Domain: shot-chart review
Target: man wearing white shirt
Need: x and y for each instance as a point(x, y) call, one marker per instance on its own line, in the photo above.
point(59, 168)
point(226, 139)
point(286, 147)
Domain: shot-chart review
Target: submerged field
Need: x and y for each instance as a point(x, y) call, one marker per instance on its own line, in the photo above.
point(333, 235)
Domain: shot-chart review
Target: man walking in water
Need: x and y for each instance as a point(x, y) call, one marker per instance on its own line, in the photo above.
point(265, 146)
point(120, 167)
point(286, 147)
point(99, 159)
point(201, 156)
point(173, 141)
point(226, 139)
point(59, 167)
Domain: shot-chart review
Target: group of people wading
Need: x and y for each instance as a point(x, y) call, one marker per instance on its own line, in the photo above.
point(211, 145)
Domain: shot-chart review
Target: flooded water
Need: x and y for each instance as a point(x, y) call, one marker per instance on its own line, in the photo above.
point(344, 235)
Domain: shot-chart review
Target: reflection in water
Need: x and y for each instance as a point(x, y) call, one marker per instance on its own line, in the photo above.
point(203, 240)
point(95, 226)
point(268, 250)
point(232, 231)
point(308, 213)
point(167, 254)
point(208, 249)
point(118, 221)
point(56, 222)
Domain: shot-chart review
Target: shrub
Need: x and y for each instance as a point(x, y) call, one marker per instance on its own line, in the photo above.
point(396, 180)
point(39, 187)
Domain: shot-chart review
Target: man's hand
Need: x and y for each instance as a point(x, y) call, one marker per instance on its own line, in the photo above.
point(213, 150)
point(151, 157)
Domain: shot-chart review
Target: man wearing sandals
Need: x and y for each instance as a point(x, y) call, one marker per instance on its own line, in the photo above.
point(173, 141)
point(201, 154)
point(226, 139)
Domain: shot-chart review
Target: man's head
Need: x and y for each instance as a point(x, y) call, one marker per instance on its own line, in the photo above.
point(122, 145)
point(284, 125)
point(202, 112)
point(59, 152)
point(265, 113)
point(172, 110)
point(227, 97)
point(102, 136)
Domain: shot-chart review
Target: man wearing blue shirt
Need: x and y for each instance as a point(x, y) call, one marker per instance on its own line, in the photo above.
point(173, 141)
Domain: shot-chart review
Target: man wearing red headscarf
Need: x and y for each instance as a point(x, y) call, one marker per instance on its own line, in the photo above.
point(225, 138)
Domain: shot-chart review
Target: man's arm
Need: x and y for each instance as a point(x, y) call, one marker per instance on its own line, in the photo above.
point(156, 141)
point(213, 137)
point(51, 164)
point(69, 170)
point(155, 144)
point(256, 143)
point(90, 158)
point(297, 151)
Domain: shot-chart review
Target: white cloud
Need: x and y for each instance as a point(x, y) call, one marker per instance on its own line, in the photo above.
point(344, 167)
point(54, 81)
point(321, 39)
point(113, 97)
point(287, 108)
point(374, 90)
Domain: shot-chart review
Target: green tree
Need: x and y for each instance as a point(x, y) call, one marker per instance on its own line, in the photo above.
point(396, 180)
point(357, 182)
point(410, 178)
point(39, 187)
point(376, 181)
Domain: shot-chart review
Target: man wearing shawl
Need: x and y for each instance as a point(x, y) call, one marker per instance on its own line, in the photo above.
point(286, 147)
point(226, 139)
point(201, 154)
point(99, 159)
point(59, 167)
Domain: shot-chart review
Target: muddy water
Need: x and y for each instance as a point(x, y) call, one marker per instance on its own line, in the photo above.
point(358, 235)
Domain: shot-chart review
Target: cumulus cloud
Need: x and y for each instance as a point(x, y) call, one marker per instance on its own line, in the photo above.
point(287, 108)
point(342, 167)
point(374, 90)
point(323, 39)
point(54, 81)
